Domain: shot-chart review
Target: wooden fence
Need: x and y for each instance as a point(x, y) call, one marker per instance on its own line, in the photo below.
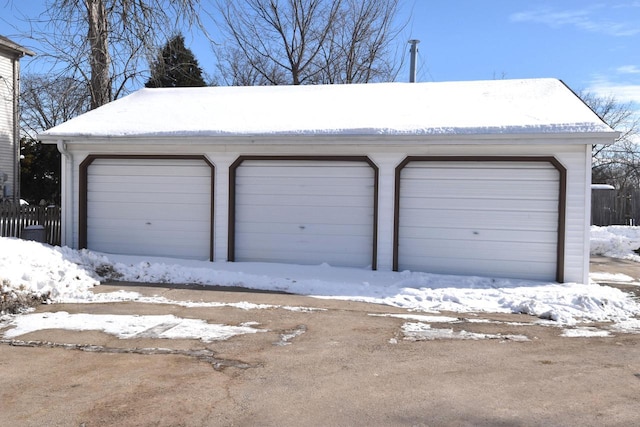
point(613, 207)
point(14, 219)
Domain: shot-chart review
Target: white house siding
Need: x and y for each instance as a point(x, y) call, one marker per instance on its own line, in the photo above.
point(305, 212)
point(159, 207)
point(573, 156)
point(486, 218)
point(6, 124)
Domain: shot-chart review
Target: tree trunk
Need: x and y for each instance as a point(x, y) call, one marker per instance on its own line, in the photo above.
point(100, 83)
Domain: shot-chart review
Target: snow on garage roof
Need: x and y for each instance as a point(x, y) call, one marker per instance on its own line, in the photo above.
point(448, 108)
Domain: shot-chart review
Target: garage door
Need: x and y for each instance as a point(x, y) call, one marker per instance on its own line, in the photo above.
point(149, 206)
point(304, 211)
point(487, 218)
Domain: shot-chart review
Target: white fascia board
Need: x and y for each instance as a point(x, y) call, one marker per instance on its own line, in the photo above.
point(466, 139)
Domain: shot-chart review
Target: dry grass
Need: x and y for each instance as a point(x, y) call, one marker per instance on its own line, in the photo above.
point(14, 301)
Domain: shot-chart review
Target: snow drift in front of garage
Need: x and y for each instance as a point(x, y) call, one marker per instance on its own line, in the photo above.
point(67, 275)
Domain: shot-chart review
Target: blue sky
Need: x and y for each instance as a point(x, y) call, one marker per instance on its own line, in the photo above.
point(592, 45)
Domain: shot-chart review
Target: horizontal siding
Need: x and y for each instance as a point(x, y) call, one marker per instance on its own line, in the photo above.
point(304, 212)
point(6, 123)
point(149, 207)
point(465, 217)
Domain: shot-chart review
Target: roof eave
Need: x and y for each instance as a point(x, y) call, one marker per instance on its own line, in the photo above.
point(14, 49)
point(469, 138)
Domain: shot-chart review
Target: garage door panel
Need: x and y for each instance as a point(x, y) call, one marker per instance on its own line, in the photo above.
point(481, 234)
point(159, 166)
point(148, 211)
point(318, 229)
point(299, 253)
point(305, 243)
point(253, 169)
point(149, 206)
point(146, 174)
point(481, 219)
point(169, 225)
point(482, 250)
point(466, 165)
point(120, 197)
point(479, 214)
point(481, 204)
point(162, 191)
point(474, 189)
point(305, 215)
point(148, 239)
point(301, 189)
point(492, 172)
point(520, 269)
point(307, 200)
point(306, 212)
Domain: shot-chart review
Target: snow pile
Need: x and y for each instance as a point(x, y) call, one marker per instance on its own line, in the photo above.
point(45, 271)
point(616, 241)
point(67, 275)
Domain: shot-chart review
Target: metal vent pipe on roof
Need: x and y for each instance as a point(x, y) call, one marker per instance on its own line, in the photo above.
point(414, 57)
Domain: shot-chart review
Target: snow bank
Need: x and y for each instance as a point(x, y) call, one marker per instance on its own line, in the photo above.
point(68, 275)
point(47, 271)
point(616, 241)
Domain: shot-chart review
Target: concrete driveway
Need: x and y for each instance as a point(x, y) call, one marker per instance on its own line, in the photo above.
point(344, 364)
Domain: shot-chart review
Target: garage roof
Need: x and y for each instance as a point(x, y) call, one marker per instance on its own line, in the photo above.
point(448, 108)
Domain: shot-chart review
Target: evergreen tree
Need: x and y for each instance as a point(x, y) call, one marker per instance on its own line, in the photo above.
point(39, 172)
point(176, 66)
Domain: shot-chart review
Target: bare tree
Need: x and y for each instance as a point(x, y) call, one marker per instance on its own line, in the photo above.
point(617, 163)
point(361, 44)
point(108, 43)
point(308, 41)
point(47, 101)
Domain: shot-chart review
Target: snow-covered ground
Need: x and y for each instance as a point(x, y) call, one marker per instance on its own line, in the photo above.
point(62, 274)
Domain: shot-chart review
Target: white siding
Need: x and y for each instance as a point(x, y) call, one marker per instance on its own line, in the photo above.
point(307, 212)
point(480, 218)
point(149, 207)
point(6, 123)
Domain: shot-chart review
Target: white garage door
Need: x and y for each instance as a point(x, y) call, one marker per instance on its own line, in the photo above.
point(305, 212)
point(487, 218)
point(159, 207)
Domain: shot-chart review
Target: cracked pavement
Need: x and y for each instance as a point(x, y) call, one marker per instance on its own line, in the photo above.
point(347, 364)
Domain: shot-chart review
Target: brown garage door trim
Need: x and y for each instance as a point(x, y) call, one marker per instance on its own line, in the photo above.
point(83, 178)
point(562, 196)
point(231, 247)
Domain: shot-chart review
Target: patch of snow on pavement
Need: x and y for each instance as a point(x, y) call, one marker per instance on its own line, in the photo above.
point(420, 317)
point(128, 296)
point(127, 326)
point(598, 277)
point(627, 326)
point(585, 332)
point(417, 331)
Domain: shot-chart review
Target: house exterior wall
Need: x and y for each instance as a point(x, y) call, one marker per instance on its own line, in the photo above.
point(575, 157)
point(7, 156)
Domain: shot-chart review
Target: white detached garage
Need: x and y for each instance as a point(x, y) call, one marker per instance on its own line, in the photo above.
point(486, 178)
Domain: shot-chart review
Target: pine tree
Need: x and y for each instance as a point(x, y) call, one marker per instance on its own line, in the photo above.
point(176, 66)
